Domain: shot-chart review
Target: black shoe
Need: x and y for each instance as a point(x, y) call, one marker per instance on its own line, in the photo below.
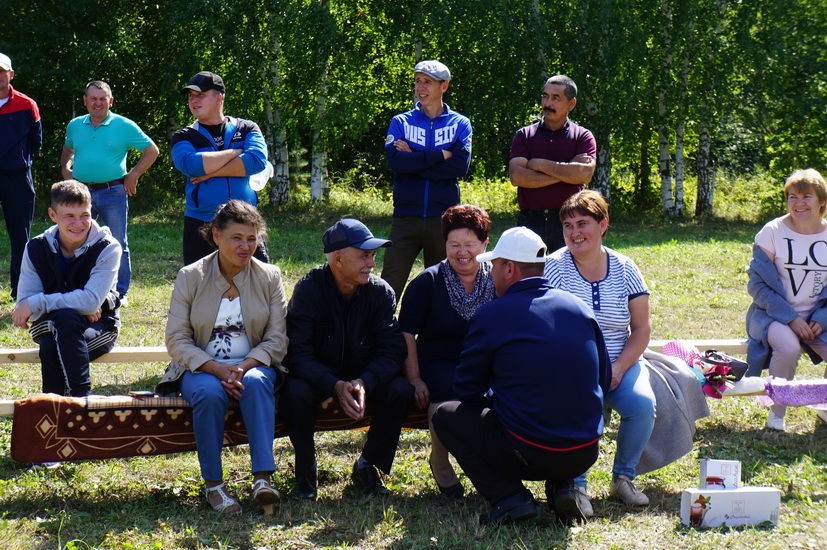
point(564, 500)
point(306, 486)
point(519, 507)
point(368, 480)
point(454, 492)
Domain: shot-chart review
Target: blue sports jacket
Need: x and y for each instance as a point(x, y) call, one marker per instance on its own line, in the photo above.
point(187, 146)
point(542, 353)
point(21, 133)
point(424, 184)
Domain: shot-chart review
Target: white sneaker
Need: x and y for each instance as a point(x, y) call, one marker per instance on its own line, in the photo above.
point(775, 422)
point(822, 415)
point(625, 490)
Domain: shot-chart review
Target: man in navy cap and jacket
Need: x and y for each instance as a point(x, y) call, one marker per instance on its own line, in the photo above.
point(345, 344)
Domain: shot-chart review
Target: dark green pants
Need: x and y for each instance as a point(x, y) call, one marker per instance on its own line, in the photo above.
point(410, 234)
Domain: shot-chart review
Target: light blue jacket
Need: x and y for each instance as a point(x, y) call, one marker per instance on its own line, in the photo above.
point(769, 303)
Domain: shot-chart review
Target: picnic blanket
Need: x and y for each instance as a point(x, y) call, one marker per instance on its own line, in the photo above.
point(51, 428)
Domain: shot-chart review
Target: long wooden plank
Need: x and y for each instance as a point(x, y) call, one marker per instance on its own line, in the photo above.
point(731, 345)
point(119, 354)
point(6, 407)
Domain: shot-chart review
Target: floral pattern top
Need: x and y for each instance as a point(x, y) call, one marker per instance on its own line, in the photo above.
point(229, 343)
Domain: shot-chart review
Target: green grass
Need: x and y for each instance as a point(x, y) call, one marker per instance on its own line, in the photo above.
point(696, 274)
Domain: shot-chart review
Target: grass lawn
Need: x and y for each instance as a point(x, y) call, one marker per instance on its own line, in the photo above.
point(696, 274)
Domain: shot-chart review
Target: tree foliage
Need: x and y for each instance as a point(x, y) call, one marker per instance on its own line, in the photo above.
point(686, 87)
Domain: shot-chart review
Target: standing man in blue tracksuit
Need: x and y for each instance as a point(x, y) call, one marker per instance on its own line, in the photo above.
point(217, 154)
point(428, 148)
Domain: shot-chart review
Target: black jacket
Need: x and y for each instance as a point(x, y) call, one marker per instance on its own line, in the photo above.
point(332, 339)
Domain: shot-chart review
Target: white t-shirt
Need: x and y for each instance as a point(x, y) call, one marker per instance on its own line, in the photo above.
point(801, 261)
point(228, 343)
point(4, 100)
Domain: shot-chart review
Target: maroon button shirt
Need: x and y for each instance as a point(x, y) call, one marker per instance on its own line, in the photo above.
point(537, 141)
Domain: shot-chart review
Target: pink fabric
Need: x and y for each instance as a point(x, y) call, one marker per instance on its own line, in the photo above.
point(797, 393)
point(678, 349)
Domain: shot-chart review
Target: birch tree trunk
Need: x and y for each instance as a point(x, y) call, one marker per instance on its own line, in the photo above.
point(276, 135)
point(318, 161)
point(706, 173)
point(680, 132)
point(601, 180)
point(664, 164)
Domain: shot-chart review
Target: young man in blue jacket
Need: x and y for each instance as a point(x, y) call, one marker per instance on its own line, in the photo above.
point(217, 154)
point(20, 137)
point(428, 148)
point(541, 354)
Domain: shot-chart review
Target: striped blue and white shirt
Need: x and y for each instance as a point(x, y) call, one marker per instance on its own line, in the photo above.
point(608, 298)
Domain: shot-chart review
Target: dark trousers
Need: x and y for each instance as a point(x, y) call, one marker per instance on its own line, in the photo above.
point(196, 246)
point(496, 461)
point(17, 200)
point(410, 234)
point(545, 223)
point(68, 341)
point(388, 404)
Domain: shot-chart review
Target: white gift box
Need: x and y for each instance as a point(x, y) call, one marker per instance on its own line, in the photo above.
point(720, 474)
point(729, 507)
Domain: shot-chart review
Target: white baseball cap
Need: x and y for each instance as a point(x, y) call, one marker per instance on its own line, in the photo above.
point(518, 244)
point(5, 62)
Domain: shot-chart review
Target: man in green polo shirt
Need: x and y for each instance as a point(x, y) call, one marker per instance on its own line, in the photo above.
point(94, 153)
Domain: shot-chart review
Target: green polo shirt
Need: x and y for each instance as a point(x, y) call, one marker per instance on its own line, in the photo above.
point(100, 153)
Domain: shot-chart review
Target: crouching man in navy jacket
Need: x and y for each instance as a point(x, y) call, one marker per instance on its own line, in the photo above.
point(67, 290)
point(542, 355)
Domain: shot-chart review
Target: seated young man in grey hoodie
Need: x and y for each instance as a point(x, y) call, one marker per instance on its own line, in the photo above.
point(67, 291)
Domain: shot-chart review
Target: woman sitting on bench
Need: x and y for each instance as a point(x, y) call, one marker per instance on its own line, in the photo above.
point(786, 282)
point(226, 335)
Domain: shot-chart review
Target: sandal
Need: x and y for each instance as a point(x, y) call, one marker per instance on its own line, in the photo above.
point(228, 504)
point(265, 495)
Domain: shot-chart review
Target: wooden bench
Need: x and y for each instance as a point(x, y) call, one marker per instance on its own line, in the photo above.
point(146, 354)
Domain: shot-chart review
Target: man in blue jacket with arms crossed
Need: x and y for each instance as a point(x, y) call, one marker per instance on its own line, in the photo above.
point(217, 154)
point(428, 148)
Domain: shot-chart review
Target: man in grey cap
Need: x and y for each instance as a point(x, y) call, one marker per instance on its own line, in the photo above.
point(345, 344)
point(20, 137)
point(217, 154)
point(428, 148)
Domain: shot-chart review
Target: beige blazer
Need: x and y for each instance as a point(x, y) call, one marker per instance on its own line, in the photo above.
point(194, 305)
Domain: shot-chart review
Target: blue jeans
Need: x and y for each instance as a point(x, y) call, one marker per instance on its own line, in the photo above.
point(112, 206)
point(209, 404)
point(634, 400)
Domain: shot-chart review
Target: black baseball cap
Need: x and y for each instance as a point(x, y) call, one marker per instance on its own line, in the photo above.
point(349, 232)
point(203, 81)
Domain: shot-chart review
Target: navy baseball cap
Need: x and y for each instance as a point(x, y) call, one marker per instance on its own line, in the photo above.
point(203, 81)
point(349, 232)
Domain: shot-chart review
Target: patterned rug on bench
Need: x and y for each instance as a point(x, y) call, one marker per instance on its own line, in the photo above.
point(49, 427)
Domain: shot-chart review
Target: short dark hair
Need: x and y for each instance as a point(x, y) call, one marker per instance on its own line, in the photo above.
point(531, 269)
point(565, 81)
point(466, 216)
point(234, 211)
point(68, 192)
point(98, 84)
point(586, 203)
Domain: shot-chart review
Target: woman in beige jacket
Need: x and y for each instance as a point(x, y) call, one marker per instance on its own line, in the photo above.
point(226, 335)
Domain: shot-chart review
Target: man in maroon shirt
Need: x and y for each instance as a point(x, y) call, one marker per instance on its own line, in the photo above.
point(550, 161)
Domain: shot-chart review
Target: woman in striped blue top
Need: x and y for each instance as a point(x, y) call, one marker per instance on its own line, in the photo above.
point(611, 284)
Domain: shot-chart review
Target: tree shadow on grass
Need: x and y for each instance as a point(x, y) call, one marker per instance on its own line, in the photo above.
point(757, 449)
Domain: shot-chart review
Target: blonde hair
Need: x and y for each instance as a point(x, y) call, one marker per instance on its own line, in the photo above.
point(806, 180)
